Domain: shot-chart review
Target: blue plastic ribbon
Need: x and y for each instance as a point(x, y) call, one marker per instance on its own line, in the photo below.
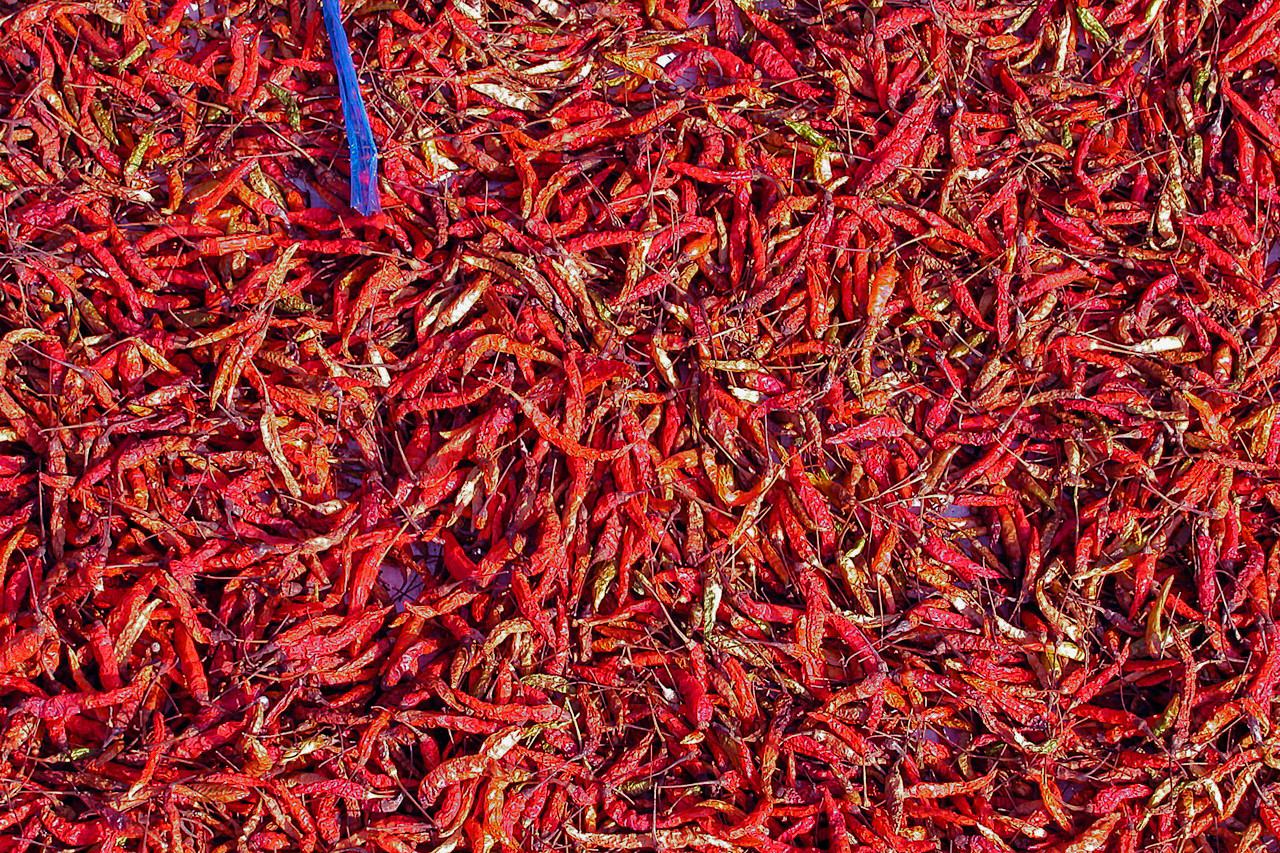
point(364, 151)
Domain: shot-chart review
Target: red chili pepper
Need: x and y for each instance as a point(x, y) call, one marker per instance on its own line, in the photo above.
point(900, 145)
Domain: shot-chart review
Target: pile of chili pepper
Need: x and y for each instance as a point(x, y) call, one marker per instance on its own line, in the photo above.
point(788, 427)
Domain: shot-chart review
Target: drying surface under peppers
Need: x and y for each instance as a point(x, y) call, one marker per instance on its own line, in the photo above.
point(745, 428)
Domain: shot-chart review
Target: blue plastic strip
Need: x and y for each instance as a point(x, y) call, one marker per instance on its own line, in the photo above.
point(364, 151)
